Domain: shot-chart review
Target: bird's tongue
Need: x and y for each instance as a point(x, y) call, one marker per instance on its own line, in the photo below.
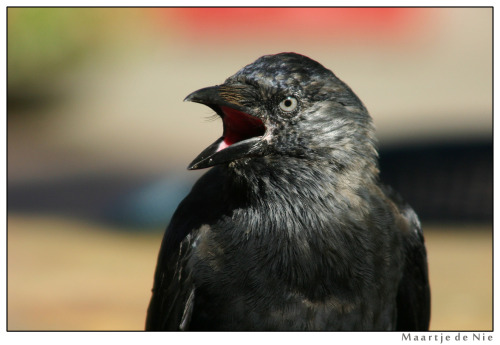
point(239, 126)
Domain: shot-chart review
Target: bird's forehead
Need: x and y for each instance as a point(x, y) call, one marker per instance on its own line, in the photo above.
point(291, 72)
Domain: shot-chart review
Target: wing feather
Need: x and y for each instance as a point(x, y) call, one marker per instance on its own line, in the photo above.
point(414, 297)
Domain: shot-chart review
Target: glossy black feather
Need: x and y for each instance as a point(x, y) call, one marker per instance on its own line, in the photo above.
point(296, 232)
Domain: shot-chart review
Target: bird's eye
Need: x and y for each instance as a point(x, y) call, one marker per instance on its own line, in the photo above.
point(288, 104)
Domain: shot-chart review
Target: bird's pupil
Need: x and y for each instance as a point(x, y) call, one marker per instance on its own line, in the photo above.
point(288, 103)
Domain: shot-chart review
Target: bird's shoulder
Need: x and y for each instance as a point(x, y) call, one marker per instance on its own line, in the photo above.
point(173, 289)
point(408, 221)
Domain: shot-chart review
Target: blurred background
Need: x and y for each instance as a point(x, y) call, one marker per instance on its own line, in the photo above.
point(99, 140)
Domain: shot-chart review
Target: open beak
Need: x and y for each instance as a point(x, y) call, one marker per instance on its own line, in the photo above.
point(242, 133)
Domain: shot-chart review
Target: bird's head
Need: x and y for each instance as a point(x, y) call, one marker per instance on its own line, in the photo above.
point(287, 105)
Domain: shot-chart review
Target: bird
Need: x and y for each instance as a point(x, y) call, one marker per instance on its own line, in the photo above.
point(291, 228)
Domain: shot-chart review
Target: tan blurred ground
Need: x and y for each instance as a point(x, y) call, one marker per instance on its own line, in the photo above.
point(67, 275)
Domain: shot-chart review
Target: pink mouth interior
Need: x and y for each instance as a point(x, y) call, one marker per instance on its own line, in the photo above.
point(239, 126)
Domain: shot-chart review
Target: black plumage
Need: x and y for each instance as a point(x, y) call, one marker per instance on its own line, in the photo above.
point(290, 229)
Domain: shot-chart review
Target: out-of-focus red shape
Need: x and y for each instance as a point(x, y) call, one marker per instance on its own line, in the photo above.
point(312, 23)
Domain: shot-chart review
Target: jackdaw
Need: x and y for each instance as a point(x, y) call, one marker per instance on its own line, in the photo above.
point(291, 228)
